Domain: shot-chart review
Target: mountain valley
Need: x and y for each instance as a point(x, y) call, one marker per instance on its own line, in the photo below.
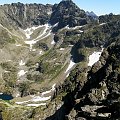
point(58, 62)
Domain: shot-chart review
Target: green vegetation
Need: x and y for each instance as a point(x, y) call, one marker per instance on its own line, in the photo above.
point(5, 38)
point(24, 88)
point(8, 66)
point(10, 78)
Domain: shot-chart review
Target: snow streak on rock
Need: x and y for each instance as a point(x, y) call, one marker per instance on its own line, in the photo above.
point(70, 66)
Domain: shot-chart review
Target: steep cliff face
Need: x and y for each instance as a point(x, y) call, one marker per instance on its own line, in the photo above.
point(67, 13)
point(94, 96)
point(101, 91)
point(25, 15)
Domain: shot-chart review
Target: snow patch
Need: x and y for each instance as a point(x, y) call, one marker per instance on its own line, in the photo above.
point(22, 102)
point(53, 42)
point(102, 24)
point(46, 35)
point(36, 105)
point(17, 95)
point(18, 45)
point(47, 26)
point(35, 99)
point(34, 50)
point(29, 31)
point(40, 52)
point(73, 28)
point(49, 13)
point(38, 98)
point(21, 73)
point(76, 27)
point(70, 66)
point(56, 24)
point(9, 60)
point(21, 63)
point(62, 49)
point(67, 75)
point(70, 45)
point(1, 93)
point(31, 42)
point(94, 58)
point(6, 71)
point(80, 31)
point(46, 92)
point(104, 114)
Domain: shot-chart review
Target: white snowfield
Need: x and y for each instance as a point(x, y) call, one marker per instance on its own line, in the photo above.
point(70, 45)
point(9, 60)
point(34, 50)
point(29, 31)
point(81, 31)
point(55, 25)
point(40, 52)
point(22, 102)
point(21, 63)
point(17, 95)
point(47, 26)
point(102, 24)
point(46, 92)
point(53, 42)
point(1, 93)
point(62, 49)
point(35, 99)
point(48, 34)
point(104, 114)
point(36, 105)
point(49, 13)
point(94, 58)
point(21, 73)
point(39, 98)
point(6, 71)
point(31, 42)
point(41, 36)
point(73, 28)
point(18, 45)
point(67, 75)
point(70, 66)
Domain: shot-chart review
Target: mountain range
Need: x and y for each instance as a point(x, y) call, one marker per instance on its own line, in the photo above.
point(58, 62)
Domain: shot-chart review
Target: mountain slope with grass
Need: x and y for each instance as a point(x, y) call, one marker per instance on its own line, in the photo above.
point(58, 62)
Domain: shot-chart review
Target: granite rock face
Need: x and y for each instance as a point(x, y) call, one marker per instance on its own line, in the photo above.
point(24, 15)
point(67, 13)
point(96, 96)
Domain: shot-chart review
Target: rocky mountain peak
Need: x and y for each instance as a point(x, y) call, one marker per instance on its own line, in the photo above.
point(91, 13)
point(68, 13)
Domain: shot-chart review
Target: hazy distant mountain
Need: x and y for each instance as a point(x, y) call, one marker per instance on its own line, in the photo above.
point(92, 14)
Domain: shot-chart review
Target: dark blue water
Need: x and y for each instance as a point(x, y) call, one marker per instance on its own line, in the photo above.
point(6, 97)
